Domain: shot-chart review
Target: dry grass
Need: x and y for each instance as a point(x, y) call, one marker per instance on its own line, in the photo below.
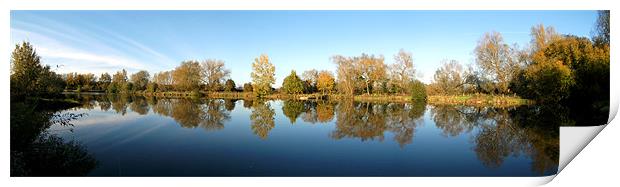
point(478, 100)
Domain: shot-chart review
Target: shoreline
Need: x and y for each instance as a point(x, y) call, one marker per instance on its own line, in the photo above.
point(478, 100)
point(467, 100)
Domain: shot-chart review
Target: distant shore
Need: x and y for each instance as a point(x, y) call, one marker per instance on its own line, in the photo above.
point(469, 100)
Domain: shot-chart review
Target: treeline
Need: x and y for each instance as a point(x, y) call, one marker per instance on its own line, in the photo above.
point(358, 75)
point(554, 68)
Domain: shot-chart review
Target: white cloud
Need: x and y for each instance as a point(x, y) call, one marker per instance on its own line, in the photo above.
point(56, 53)
point(87, 57)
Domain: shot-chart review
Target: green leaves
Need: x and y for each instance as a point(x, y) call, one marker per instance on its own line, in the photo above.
point(293, 84)
point(29, 77)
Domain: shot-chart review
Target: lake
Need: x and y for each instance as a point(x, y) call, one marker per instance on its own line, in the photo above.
point(152, 136)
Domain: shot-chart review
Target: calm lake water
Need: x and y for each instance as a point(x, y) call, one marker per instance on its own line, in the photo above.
point(138, 136)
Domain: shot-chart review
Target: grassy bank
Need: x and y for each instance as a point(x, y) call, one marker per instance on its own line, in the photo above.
point(230, 95)
point(382, 98)
point(477, 100)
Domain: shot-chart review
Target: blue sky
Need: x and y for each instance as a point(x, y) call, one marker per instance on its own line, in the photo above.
point(107, 41)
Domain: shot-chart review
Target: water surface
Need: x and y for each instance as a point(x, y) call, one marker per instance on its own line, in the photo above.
point(138, 136)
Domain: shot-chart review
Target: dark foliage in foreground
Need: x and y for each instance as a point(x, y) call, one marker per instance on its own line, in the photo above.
point(35, 152)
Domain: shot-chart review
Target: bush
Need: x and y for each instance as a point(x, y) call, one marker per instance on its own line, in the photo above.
point(549, 82)
point(247, 87)
point(418, 91)
point(229, 86)
point(112, 88)
point(195, 93)
point(151, 87)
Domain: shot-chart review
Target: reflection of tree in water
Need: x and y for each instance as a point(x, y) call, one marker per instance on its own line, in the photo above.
point(209, 115)
point(451, 120)
point(369, 121)
point(229, 104)
point(497, 133)
point(310, 111)
point(104, 103)
point(86, 101)
point(292, 109)
point(216, 114)
point(324, 111)
point(499, 138)
point(162, 107)
point(151, 100)
point(186, 112)
point(541, 124)
point(365, 121)
point(247, 103)
point(262, 118)
point(139, 105)
point(504, 132)
point(403, 119)
point(35, 152)
point(119, 103)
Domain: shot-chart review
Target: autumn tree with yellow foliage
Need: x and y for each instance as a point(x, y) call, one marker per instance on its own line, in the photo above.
point(263, 75)
point(325, 82)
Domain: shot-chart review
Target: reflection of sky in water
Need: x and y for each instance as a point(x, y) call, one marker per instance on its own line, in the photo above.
point(155, 144)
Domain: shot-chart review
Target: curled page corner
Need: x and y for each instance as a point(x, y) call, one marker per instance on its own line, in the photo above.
point(574, 139)
point(545, 180)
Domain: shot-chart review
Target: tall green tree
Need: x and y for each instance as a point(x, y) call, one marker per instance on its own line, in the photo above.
point(292, 84)
point(29, 77)
point(418, 91)
point(25, 70)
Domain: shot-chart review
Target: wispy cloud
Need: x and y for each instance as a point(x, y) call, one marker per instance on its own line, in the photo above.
point(128, 42)
point(89, 48)
point(70, 59)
